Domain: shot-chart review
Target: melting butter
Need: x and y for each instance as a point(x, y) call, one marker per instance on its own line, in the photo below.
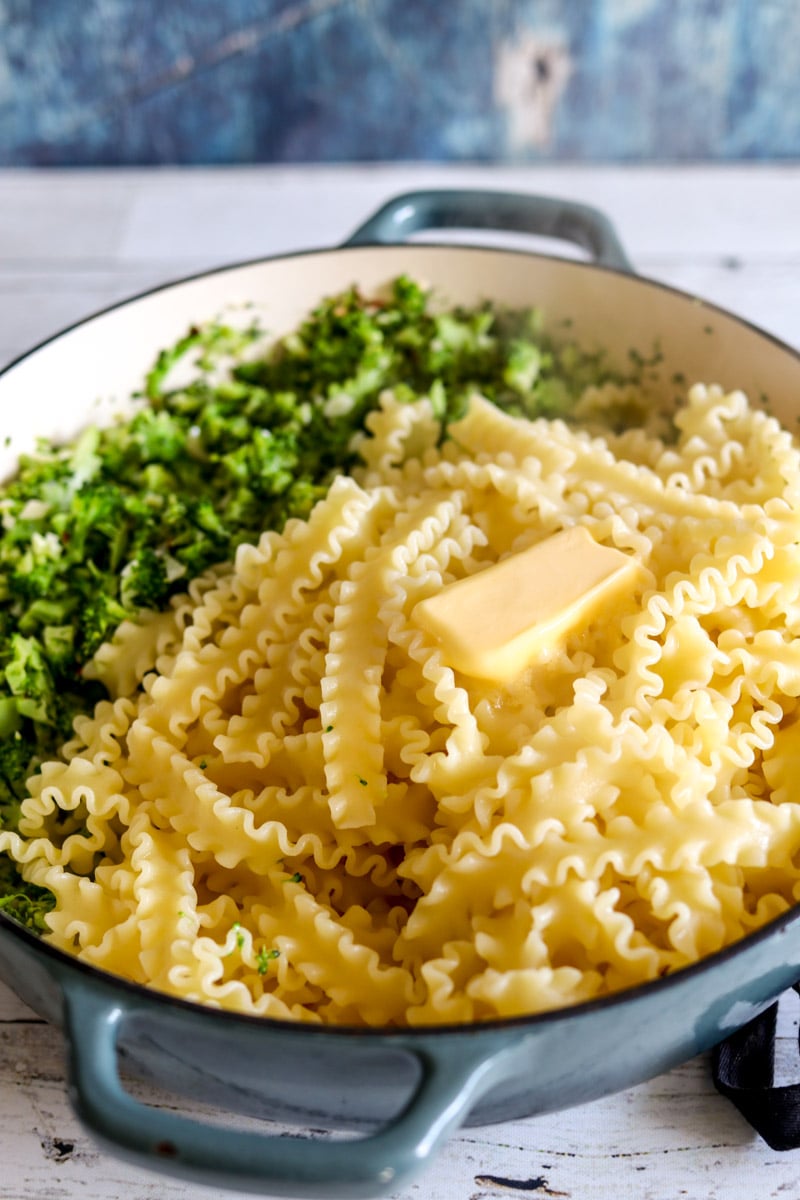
point(494, 624)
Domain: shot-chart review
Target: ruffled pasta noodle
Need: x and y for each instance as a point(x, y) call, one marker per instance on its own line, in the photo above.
point(292, 806)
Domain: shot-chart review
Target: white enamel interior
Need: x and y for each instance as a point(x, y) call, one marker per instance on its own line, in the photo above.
point(80, 375)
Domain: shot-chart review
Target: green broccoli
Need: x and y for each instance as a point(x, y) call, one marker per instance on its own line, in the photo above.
point(145, 582)
point(29, 679)
point(23, 901)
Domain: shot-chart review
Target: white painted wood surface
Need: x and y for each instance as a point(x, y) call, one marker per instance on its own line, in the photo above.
point(71, 243)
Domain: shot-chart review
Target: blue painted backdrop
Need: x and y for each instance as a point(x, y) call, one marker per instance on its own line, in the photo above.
point(213, 81)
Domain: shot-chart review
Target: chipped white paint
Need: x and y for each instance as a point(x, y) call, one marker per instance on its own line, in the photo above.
point(72, 243)
point(531, 73)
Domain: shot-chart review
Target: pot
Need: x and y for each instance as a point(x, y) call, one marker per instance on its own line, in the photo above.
point(402, 1090)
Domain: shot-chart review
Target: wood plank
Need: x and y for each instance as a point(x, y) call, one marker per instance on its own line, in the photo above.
point(231, 213)
point(674, 1127)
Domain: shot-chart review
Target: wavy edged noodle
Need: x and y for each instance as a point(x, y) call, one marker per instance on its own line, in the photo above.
point(294, 806)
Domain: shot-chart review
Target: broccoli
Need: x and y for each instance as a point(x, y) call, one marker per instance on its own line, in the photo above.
point(100, 614)
point(17, 757)
point(29, 679)
point(25, 902)
point(145, 583)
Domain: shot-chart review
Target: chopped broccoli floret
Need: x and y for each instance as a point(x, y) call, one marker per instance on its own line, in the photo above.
point(29, 679)
point(100, 615)
point(17, 760)
point(23, 901)
point(145, 583)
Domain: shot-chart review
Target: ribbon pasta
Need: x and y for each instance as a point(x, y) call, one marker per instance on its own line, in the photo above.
point(291, 806)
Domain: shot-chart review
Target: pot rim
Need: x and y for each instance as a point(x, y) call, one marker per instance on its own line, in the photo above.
point(699, 303)
point(581, 1010)
point(776, 926)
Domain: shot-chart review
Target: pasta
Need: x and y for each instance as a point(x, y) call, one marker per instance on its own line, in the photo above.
point(292, 806)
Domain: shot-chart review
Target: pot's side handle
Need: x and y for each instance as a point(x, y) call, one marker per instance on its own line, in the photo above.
point(516, 212)
point(264, 1163)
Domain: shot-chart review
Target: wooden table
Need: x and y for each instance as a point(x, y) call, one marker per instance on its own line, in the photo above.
point(71, 243)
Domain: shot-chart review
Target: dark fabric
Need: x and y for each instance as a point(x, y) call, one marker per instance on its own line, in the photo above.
point(743, 1068)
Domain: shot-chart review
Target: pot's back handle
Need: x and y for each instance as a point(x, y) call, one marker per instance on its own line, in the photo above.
point(452, 1079)
point(743, 1067)
point(461, 208)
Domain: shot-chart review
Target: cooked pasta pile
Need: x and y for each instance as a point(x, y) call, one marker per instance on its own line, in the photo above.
point(303, 812)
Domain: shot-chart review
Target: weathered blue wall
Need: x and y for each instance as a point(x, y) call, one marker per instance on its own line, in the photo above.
point(211, 81)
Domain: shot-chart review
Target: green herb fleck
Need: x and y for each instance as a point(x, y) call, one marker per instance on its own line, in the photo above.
point(264, 958)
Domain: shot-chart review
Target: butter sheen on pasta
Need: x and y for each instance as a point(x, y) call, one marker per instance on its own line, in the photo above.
point(294, 807)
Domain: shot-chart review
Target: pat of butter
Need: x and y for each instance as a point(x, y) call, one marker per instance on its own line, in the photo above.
point(493, 624)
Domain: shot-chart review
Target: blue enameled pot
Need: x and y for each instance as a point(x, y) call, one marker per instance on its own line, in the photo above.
point(403, 1091)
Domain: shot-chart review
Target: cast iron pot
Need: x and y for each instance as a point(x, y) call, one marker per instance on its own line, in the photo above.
point(404, 1090)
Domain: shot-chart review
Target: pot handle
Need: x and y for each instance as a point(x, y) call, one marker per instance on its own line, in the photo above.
point(463, 208)
point(281, 1165)
point(743, 1069)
